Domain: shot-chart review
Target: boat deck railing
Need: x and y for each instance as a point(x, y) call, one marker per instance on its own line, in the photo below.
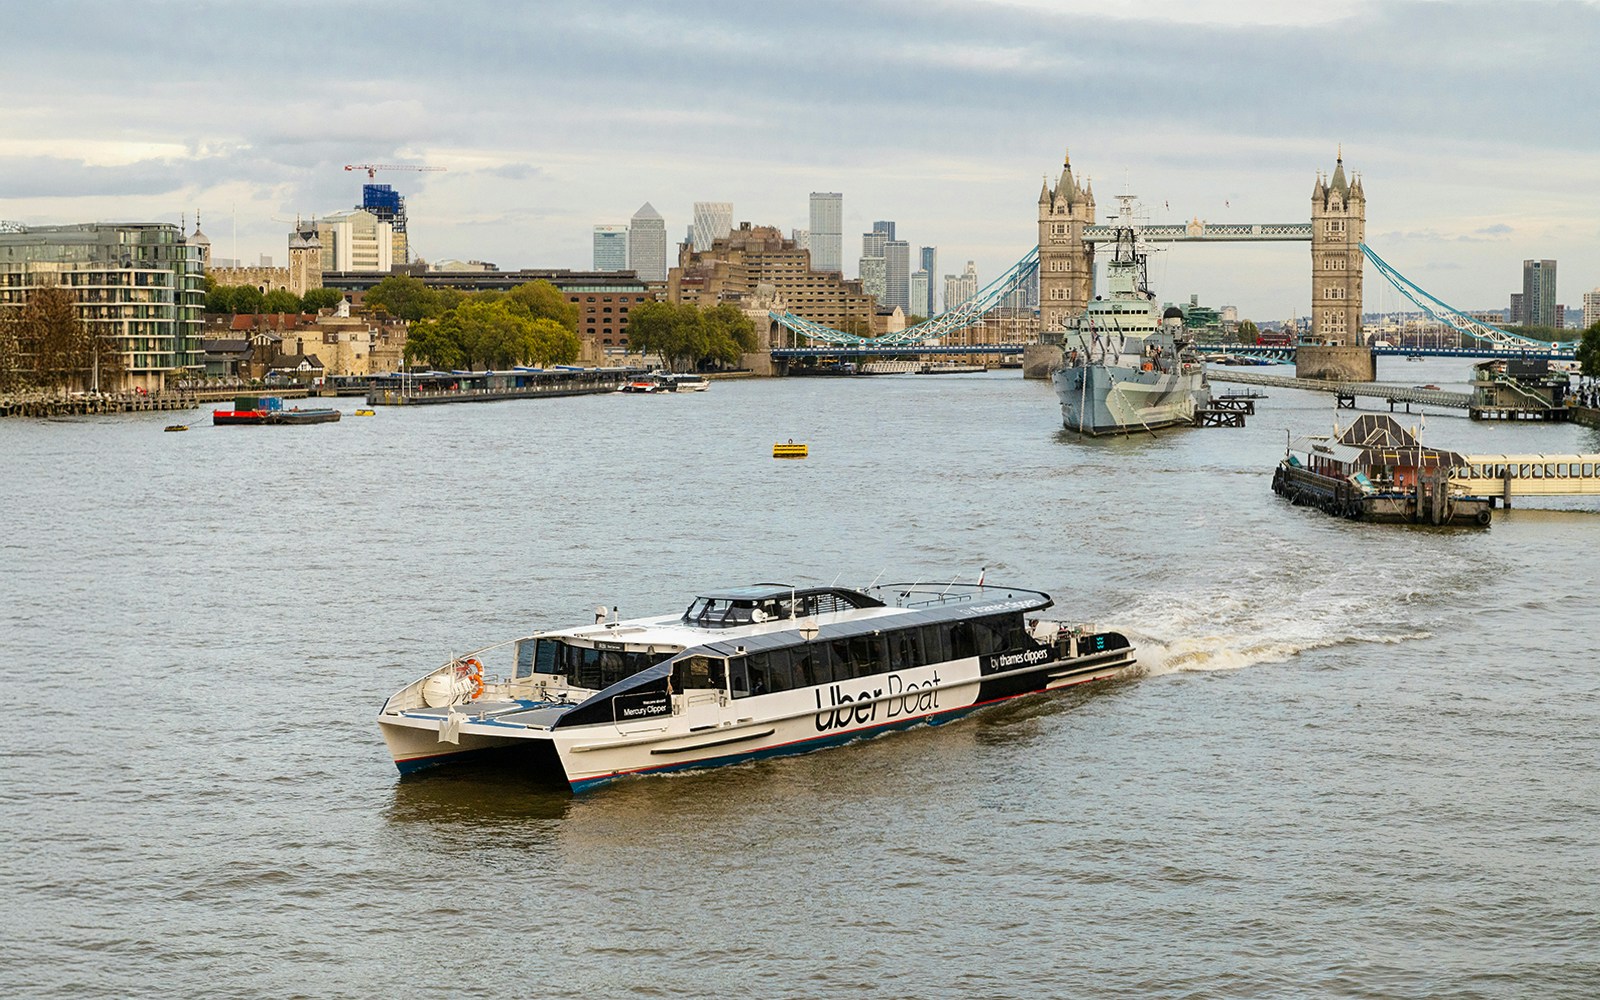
point(924, 595)
point(496, 666)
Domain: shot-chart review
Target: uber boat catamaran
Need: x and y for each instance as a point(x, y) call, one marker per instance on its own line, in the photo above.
point(1127, 365)
point(752, 672)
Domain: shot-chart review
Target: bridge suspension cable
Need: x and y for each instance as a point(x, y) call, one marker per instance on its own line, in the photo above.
point(948, 322)
point(1451, 316)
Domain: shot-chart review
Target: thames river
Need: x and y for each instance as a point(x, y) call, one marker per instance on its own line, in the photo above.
point(1359, 760)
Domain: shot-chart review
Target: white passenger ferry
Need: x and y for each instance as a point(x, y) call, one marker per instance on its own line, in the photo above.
point(753, 672)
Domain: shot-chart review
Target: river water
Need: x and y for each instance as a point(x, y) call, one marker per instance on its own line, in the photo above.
point(1360, 760)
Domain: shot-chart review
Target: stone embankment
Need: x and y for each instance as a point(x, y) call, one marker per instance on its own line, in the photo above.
point(48, 404)
point(39, 403)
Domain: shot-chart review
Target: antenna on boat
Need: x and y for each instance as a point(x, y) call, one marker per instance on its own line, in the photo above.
point(952, 583)
point(875, 579)
point(836, 576)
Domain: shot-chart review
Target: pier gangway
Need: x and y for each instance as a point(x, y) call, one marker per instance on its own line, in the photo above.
point(1349, 390)
point(1508, 476)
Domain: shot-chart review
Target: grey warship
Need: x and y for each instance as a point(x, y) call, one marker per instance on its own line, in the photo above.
point(1126, 366)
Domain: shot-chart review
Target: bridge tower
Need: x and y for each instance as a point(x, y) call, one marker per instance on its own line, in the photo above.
point(1338, 228)
point(1066, 262)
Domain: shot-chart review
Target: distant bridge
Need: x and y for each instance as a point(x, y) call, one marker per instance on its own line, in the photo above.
point(892, 351)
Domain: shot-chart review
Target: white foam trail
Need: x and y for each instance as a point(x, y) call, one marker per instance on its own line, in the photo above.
point(1267, 615)
point(1232, 652)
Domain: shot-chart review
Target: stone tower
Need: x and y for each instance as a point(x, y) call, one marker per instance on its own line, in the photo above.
point(1066, 262)
point(305, 258)
point(1338, 228)
point(199, 240)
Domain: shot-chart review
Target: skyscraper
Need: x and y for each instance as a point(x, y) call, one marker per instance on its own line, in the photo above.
point(871, 266)
point(921, 287)
point(929, 259)
point(872, 277)
point(712, 221)
point(610, 248)
point(897, 275)
point(827, 231)
point(647, 244)
point(872, 243)
point(884, 226)
point(1539, 292)
point(958, 288)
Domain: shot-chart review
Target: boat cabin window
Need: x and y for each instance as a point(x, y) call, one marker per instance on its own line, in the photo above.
point(699, 673)
point(585, 666)
point(761, 673)
point(827, 661)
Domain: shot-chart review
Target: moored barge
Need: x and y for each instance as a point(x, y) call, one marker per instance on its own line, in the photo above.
point(1376, 470)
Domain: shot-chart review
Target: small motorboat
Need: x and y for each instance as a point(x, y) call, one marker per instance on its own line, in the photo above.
point(176, 427)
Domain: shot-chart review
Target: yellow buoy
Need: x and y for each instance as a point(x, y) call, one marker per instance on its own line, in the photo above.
point(789, 450)
point(176, 427)
point(366, 413)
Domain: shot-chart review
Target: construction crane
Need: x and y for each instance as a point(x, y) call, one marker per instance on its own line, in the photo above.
point(373, 168)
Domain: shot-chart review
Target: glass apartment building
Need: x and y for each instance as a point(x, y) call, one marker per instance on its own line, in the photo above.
point(139, 285)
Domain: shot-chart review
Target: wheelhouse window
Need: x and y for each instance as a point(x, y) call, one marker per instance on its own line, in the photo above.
point(719, 612)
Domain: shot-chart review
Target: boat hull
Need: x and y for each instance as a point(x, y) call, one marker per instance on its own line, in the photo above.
point(1111, 399)
point(709, 731)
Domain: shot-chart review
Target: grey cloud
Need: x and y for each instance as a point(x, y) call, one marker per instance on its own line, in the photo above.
point(514, 171)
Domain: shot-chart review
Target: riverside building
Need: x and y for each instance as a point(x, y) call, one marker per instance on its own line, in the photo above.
point(754, 262)
point(604, 298)
point(139, 285)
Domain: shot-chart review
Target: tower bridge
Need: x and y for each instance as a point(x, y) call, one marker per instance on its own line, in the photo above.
point(1062, 263)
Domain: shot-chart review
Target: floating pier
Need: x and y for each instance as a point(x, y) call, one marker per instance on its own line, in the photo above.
point(1227, 410)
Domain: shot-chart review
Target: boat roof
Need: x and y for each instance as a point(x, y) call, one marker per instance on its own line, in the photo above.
point(919, 606)
point(1378, 439)
point(775, 591)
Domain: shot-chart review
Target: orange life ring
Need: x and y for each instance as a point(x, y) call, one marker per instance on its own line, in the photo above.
point(472, 670)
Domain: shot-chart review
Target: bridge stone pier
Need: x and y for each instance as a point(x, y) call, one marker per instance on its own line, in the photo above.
point(1335, 363)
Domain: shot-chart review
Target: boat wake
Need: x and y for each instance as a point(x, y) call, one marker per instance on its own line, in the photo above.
point(1222, 630)
point(1233, 652)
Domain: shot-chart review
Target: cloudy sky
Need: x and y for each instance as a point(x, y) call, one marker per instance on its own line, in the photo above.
point(1473, 125)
